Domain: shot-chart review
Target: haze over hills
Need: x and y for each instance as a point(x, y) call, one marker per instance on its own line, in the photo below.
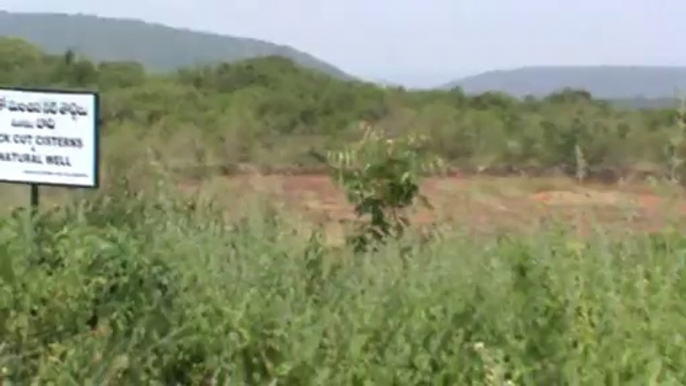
point(164, 48)
point(606, 82)
point(156, 46)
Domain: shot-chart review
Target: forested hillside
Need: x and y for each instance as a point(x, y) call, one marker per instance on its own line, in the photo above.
point(271, 112)
point(156, 46)
point(163, 48)
point(607, 82)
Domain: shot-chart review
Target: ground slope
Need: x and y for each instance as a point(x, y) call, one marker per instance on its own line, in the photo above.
point(156, 46)
point(607, 82)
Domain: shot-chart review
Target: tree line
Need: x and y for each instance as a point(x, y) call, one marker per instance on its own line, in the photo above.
point(271, 112)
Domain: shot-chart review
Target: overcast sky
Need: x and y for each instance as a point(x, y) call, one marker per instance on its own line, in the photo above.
point(426, 42)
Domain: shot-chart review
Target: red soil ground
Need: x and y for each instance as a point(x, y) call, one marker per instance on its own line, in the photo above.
point(481, 203)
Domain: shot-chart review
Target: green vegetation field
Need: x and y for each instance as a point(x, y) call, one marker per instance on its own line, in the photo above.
point(175, 273)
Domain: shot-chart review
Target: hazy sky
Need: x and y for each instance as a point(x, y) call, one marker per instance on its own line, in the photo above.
point(426, 42)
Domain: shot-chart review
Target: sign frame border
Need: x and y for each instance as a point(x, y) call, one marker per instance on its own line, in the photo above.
point(96, 135)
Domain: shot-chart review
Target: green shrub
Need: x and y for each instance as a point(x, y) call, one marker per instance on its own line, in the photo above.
point(381, 178)
point(152, 289)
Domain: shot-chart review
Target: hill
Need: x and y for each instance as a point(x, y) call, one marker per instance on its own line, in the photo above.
point(607, 82)
point(156, 46)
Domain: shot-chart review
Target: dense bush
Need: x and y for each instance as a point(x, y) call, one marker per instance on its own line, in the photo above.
point(270, 112)
point(138, 289)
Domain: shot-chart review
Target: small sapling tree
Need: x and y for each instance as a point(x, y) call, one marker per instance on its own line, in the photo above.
point(381, 177)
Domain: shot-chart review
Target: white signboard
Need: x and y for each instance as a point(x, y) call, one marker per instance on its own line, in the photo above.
point(49, 137)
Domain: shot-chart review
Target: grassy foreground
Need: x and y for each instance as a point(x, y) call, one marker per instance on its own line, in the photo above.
point(136, 289)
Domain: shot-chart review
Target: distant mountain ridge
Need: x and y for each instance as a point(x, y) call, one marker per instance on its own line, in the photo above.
point(606, 82)
point(164, 48)
point(156, 46)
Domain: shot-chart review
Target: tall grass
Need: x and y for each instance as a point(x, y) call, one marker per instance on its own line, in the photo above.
point(149, 289)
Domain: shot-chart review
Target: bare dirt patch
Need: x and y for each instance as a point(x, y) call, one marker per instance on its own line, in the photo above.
point(483, 204)
point(589, 197)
